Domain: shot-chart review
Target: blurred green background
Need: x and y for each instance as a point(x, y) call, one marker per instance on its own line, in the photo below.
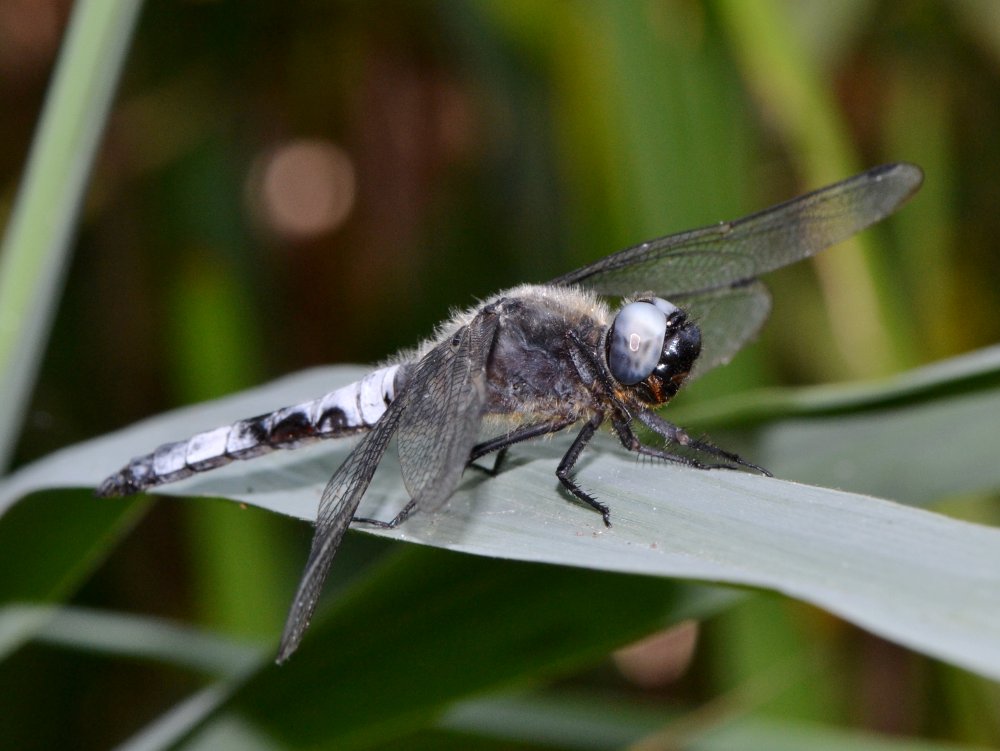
point(287, 184)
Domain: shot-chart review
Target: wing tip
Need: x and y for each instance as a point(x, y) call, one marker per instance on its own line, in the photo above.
point(907, 175)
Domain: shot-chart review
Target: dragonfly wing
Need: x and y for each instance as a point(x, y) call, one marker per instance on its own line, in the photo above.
point(437, 418)
point(732, 253)
point(336, 509)
point(727, 318)
point(444, 411)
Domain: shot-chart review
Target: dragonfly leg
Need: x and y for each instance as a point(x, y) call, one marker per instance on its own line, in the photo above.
point(500, 444)
point(631, 442)
point(398, 519)
point(678, 435)
point(497, 461)
point(569, 460)
point(588, 364)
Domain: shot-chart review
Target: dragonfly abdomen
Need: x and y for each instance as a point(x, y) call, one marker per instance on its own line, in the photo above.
point(345, 411)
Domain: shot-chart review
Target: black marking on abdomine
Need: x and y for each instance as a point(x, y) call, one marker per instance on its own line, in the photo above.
point(333, 420)
point(294, 425)
point(256, 427)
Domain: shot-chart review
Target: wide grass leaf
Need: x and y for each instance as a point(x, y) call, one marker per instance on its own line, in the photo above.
point(918, 578)
point(915, 437)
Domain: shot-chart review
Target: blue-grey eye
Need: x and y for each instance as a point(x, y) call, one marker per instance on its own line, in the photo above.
point(666, 306)
point(635, 341)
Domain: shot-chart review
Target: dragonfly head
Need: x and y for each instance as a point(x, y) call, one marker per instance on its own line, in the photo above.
point(652, 346)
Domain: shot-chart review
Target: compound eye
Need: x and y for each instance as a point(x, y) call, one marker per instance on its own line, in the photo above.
point(635, 341)
point(666, 306)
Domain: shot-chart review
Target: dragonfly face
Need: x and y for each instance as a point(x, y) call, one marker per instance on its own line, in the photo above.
point(549, 357)
point(652, 345)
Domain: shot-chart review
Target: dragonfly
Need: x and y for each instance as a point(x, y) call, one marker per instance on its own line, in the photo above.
point(537, 359)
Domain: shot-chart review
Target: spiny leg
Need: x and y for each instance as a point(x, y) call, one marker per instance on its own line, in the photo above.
point(394, 522)
point(497, 461)
point(500, 444)
point(569, 460)
point(632, 443)
point(677, 435)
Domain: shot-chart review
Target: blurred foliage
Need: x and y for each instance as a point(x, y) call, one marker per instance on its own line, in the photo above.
point(491, 143)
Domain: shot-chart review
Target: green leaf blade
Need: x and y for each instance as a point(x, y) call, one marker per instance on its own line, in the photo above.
point(915, 577)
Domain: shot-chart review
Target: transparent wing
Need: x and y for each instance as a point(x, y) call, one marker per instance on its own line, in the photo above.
point(728, 318)
point(336, 509)
point(444, 410)
point(437, 417)
point(731, 253)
